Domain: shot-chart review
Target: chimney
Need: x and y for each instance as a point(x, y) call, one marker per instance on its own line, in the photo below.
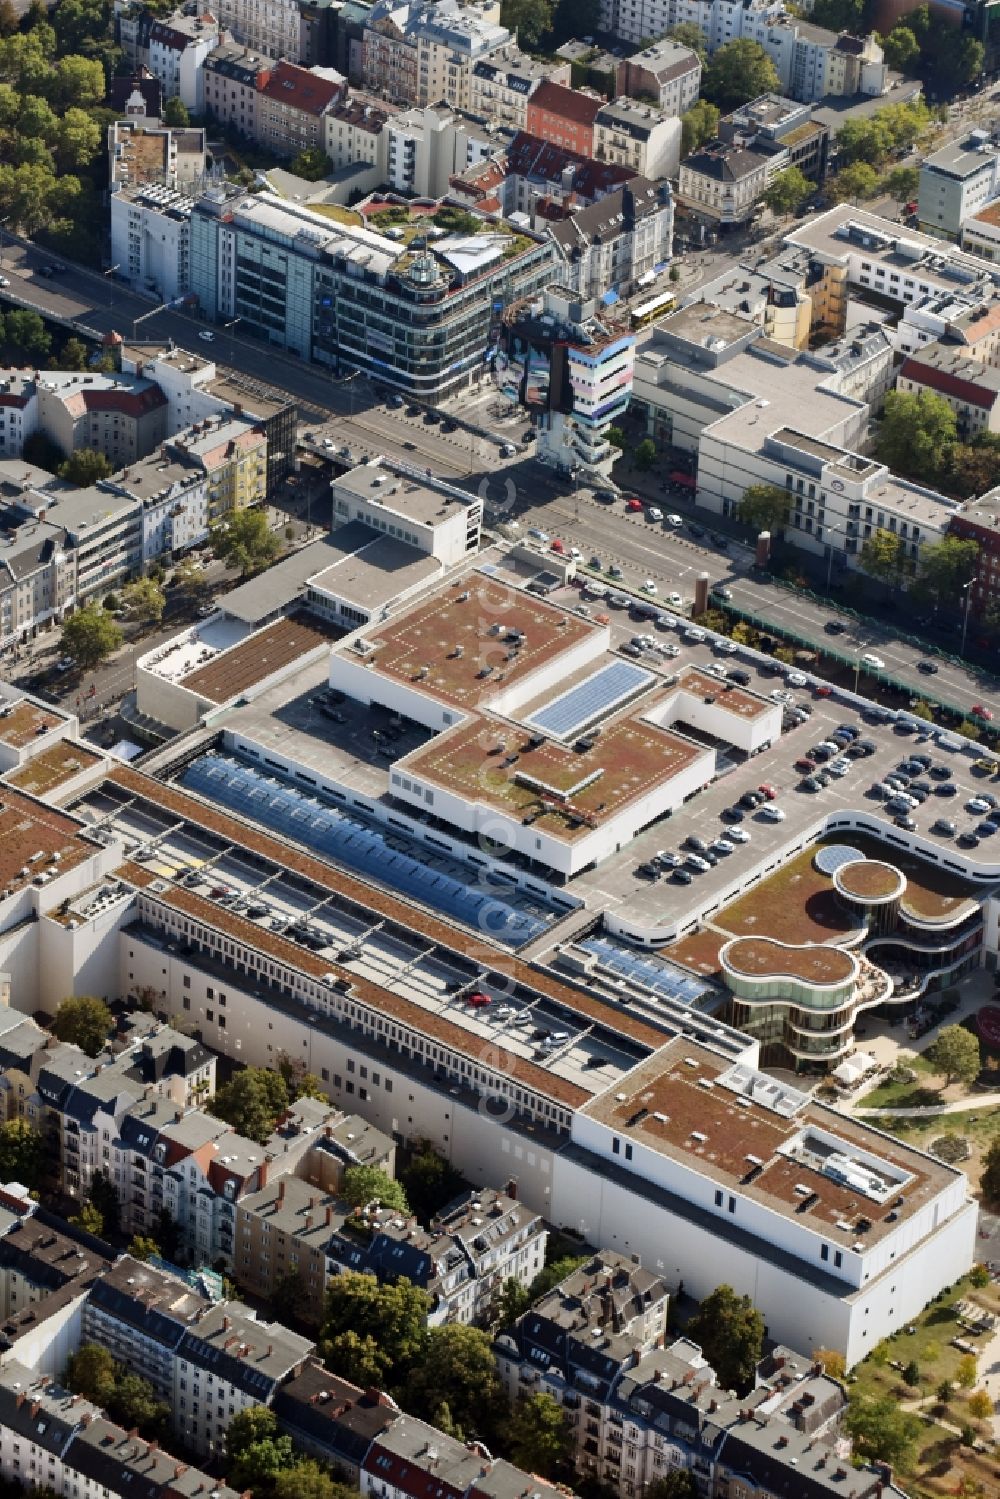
point(309, 1220)
point(20, 1399)
point(225, 1324)
point(34, 1408)
point(329, 1216)
point(180, 1470)
point(511, 1187)
point(281, 1192)
point(86, 1418)
point(262, 1172)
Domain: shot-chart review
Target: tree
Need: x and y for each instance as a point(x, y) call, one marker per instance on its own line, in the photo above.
point(531, 19)
point(381, 1328)
point(299, 1082)
point(922, 709)
point(833, 1362)
point(974, 465)
point(787, 190)
point(837, 15)
point(916, 433)
point(855, 182)
point(429, 1181)
point(104, 1197)
point(256, 1451)
point(867, 140)
point(83, 1020)
point(146, 600)
point(538, 1436)
point(91, 1372)
point(883, 556)
point(73, 355)
point(90, 636)
point(512, 1302)
point(77, 141)
point(175, 113)
point(676, 1483)
point(310, 1480)
point(738, 71)
point(189, 576)
point(979, 1276)
point(902, 183)
point(89, 1218)
point(313, 164)
point(730, 1332)
point(142, 1247)
point(911, 1374)
point(553, 1273)
point(457, 1370)
point(881, 1431)
point(252, 1102)
point(22, 1153)
point(26, 331)
point(765, 507)
point(980, 1405)
point(965, 1372)
point(698, 124)
point(645, 454)
point(945, 567)
point(616, 437)
point(901, 48)
point(79, 82)
point(956, 1054)
point(244, 540)
point(134, 1403)
point(84, 467)
point(290, 1298)
point(364, 1184)
point(690, 34)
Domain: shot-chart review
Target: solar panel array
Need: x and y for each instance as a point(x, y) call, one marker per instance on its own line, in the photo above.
point(660, 978)
point(833, 856)
point(590, 699)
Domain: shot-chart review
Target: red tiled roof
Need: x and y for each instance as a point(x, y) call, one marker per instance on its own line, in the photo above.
point(568, 103)
point(129, 402)
point(300, 89)
point(530, 156)
point(948, 384)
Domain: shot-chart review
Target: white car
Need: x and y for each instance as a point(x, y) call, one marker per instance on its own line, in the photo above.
point(796, 679)
point(675, 520)
point(649, 587)
point(726, 647)
point(328, 442)
point(667, 648)
point(575, 553)
point(723, 846)
point(839, 767)
point(875, 662)
point(977, 805)
point(595, 591)
point(771, 813)
point(675, 599)
point(694, 635)
point(716, 669)
point(738, 835)
point(779, 695)
point(206, 336)
point(654, 512)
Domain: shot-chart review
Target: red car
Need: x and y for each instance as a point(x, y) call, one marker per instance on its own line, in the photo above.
point(806, 766)
point(822, 691)
point(979, 711)
point(766, 789)
point(478, 1000)
point(557, 546)
point(633, 504)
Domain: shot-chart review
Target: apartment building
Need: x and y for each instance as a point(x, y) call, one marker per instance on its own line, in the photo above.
point(956, 183)
point(43, 1257)
point(420, 321)
point(449, 45)
point(784, 131)
point(52, 1440)
point(355, 135)
point(206, 1360)
point(636, 136)
point(425, 148)
point(978, 520)
point(500, 85)
point(331, 1419)
point(231, 453)
point(151, 239)
point(564, 117)
point(723, 183)
point(142, 154)
point(268, 32)
point(121, 416)
point(176, 53)
point(666, 72)
point(617, 241)
point(292, 106)
point(234, 78)
point(970, 386)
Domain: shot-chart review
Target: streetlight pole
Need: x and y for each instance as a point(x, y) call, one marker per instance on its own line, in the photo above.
point(857, 664)
point(111, 284)
point(967, 590)
point(228, 328)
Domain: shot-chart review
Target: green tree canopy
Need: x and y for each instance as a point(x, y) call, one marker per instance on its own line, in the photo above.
point(917, 433)
point(645, 454)
point(310, 1480)
point(883, 556)
point(429, 1181)
point(555, 1271)
point(252, 1102)
point(690, 34)
point(531, 19)
point(902, 183)
point(73, 355)
point(22, 1153)
point(380, 1329)
point(79, 82)
point(901, 48)
point(765, 507)
point(989, 1179)
point(364, 1184)
point(676, 1483)
point(945, 567)
point(84, 467)
point(855, 183)
point(698, 124)
point(837, 15)
point(881, 1431)
point(738, 71)
point(146, 600)
point(83, 1020)
point(77, 141)
point(89, 1218)
point(457, 1370)
point(787, 190)
point(142, 1247)
point(538, 1435)
point(25, 331)
point(730, 1332)
point(91, 1372)
point(256, 1451)
point(243, 539)
point(956, 1054)
point(90, 636)
point(175, 113)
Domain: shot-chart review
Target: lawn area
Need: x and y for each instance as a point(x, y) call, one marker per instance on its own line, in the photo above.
point(979, 1128)
point(338, 213)
point(925, 1091)
point(796, 901)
